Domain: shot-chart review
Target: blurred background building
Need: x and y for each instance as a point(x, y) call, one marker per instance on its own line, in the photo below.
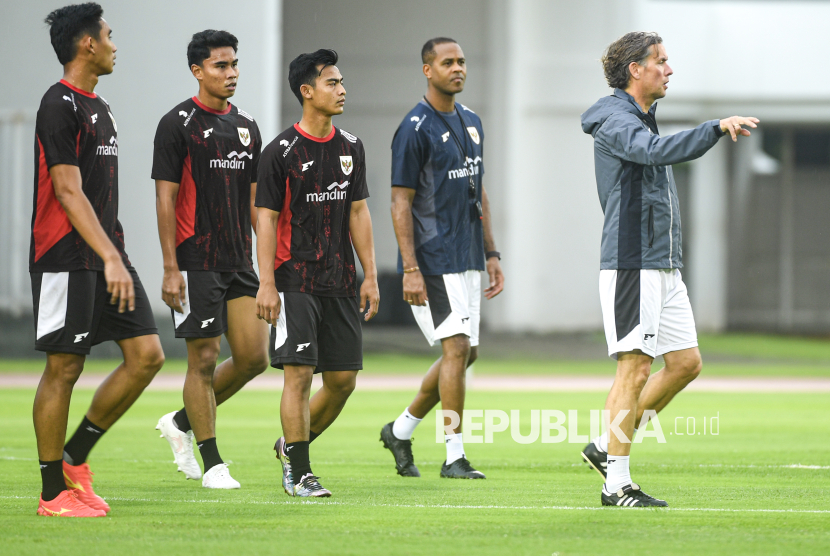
point(756, 247)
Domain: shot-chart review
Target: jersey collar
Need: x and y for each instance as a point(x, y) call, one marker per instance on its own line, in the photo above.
point(211, 110)
point(313, 138)
point(77, 90)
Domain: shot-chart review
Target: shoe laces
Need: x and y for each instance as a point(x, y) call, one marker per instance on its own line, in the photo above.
point(311, 482)
point(464, 464)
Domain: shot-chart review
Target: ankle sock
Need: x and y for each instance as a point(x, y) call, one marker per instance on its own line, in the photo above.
point(405, 425)
point(181, 421)
point(455, 447)
point(51, 474)
point(77, 449)
point(210, 453)
point(297, 453)
point(619, 474)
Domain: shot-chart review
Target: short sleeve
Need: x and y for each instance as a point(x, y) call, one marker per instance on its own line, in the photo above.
point(257, 151)
point(57, 129)
point(409, 154)
point(271, 181)
point(360, 189)
point(169, 151)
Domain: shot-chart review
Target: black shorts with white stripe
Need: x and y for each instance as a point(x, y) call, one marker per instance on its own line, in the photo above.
point(322, 332)
point(73, 311)
point(206, 308)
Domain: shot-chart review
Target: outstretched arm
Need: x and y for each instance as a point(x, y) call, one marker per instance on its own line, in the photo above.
point(627, 138)
point(360, 228)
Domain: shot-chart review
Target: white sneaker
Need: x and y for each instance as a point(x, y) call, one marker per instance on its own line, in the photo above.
point(218, 477)
point(182, 445)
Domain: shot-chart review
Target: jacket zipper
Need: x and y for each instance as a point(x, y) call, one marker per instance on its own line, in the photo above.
point(651, 226)
point(671, 220)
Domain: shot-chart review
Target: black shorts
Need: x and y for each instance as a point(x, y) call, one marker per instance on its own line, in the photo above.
point(206, 308)
point(324, 332)
point(73, 311)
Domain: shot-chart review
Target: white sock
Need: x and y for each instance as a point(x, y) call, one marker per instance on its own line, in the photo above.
point(601, 442)
point(618, 473)
point(405, 425)
point(455, 447)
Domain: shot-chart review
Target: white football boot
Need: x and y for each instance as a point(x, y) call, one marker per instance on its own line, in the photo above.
point(219, 477)
point(182, 445)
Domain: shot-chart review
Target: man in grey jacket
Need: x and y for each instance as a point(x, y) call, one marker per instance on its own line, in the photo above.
point(645, 306)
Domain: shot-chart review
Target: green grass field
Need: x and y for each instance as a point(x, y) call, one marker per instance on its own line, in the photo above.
point(733, 493)
point(760, 486)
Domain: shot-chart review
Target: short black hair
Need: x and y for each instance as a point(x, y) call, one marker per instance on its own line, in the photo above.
point(198, 50)
point(70, 24)
point(303, 69)
point(428, 51)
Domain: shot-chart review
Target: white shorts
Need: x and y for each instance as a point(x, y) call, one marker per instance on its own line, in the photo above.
point(454, 307)
point(646, 310)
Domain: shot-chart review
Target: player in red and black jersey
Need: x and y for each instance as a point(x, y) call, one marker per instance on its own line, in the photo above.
point(84, 290)
point(205, 166)
point(312, 207)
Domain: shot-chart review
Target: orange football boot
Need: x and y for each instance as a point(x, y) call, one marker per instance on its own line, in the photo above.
point(67, 505)
point(79, 479)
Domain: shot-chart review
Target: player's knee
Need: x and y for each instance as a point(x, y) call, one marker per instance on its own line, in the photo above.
point(692, 368)
point(66, 370)
point(343, 387)
point(255, 364)
point(457, 347)
point(152, 360)
point(201, 359)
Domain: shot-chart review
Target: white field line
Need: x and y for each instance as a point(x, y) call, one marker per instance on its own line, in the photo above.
point(486, 383)
point(435, 506)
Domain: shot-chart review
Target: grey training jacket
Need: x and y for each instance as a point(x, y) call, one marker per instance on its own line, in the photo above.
point(635, 181)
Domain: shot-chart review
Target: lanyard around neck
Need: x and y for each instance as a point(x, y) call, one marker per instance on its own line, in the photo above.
point(461, 149)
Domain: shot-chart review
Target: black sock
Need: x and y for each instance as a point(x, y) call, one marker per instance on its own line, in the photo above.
point(181, 421)
point(297, 452)
point(312, 435)
point(210, 453)
point(51, 473)
point(77, 449)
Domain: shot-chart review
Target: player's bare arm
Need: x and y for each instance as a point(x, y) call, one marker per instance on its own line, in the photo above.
point(69, 192)
point(267, 298)
point(493, 263)
point(173, 288)
point(360, 227)
point(414, 288)
point(732, 126)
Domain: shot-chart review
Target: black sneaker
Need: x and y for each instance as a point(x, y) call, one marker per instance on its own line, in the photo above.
point(309, 486)
point(630, 496)
point(402, 450)
point(460, 469)
point(597, 460)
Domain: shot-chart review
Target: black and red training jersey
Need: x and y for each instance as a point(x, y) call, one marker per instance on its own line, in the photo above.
point(213, 156)
point(77, 128)
point(312, 183)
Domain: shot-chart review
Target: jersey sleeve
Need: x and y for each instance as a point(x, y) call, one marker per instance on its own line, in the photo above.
point(361, 188)
point(58, 130)
point(169, 151)
point(271, 181)
point(409, 154)
point(257, 151)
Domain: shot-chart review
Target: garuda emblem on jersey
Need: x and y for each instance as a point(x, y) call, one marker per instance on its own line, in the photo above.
point(474, 134)
point(244, 135)
point(346, 165)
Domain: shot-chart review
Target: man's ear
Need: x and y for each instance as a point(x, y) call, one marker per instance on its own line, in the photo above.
point(427, 69)
point(635, 70)
point(197, 71)
point(307, 91)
